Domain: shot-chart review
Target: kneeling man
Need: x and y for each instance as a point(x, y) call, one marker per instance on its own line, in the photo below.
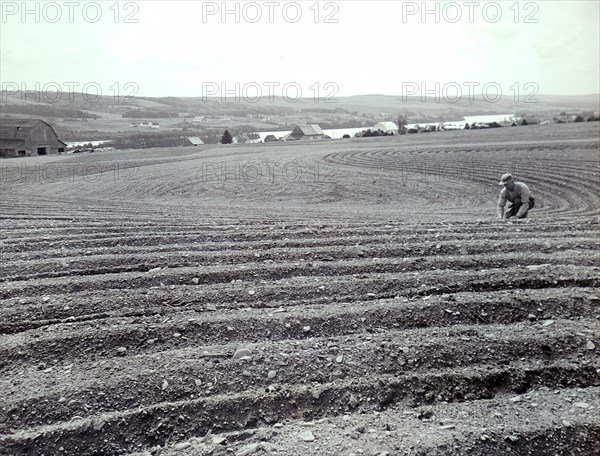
point(516, 193)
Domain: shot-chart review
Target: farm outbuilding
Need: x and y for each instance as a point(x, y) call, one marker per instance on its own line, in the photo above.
point(270, 138)
point(302, 132)
point(26, 137)
point(195, 141)
point(388, 127)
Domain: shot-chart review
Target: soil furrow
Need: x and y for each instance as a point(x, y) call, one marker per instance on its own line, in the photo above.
point(456, 256)
point(159, 422)
point(77, 341)
point(209, 370)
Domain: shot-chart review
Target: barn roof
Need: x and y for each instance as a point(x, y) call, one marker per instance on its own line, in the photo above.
point(11, 143)
point(312, 129)
point(10, 132)
point(19, 128)
point(19, 122)
point(195, 140)
point(388, 125)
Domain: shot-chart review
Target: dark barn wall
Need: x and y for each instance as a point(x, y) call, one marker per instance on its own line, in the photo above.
point(41, 135)
point(35, 136)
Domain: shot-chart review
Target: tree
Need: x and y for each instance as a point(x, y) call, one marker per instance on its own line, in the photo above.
point(226, 138)
point(402, 123)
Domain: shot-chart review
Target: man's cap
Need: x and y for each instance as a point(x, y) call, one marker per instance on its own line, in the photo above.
point(505, 179)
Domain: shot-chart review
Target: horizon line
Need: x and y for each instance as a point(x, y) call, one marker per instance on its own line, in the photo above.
point(216, 97)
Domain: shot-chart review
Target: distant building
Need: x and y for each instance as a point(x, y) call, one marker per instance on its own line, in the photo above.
point(303, 132)
point(453, 125)
point(199, 119)
point(270, 138)
point(195, 141)
point(147, 124)
point(528, 120)
point(568, 118)
point(26, 137)
point(388, 127)
point(252, 138)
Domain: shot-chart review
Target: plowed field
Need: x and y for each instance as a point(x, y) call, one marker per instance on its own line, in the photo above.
point(326, 298)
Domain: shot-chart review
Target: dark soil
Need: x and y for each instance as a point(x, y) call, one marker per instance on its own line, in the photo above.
point(378, 315)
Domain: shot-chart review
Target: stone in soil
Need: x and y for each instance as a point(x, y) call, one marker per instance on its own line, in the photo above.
point(242, 352)
point(306, 436)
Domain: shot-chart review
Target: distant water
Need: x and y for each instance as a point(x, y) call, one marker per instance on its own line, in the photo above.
point(336, 133)
point(339, 133)
point(81, 143)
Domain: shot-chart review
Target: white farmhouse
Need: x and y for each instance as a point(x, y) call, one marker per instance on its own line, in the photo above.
point(388, 127)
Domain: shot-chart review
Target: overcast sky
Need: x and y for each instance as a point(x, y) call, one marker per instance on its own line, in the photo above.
point(360, 47)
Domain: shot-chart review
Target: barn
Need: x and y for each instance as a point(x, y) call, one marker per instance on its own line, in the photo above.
point(26, 137)
point(301, 132)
